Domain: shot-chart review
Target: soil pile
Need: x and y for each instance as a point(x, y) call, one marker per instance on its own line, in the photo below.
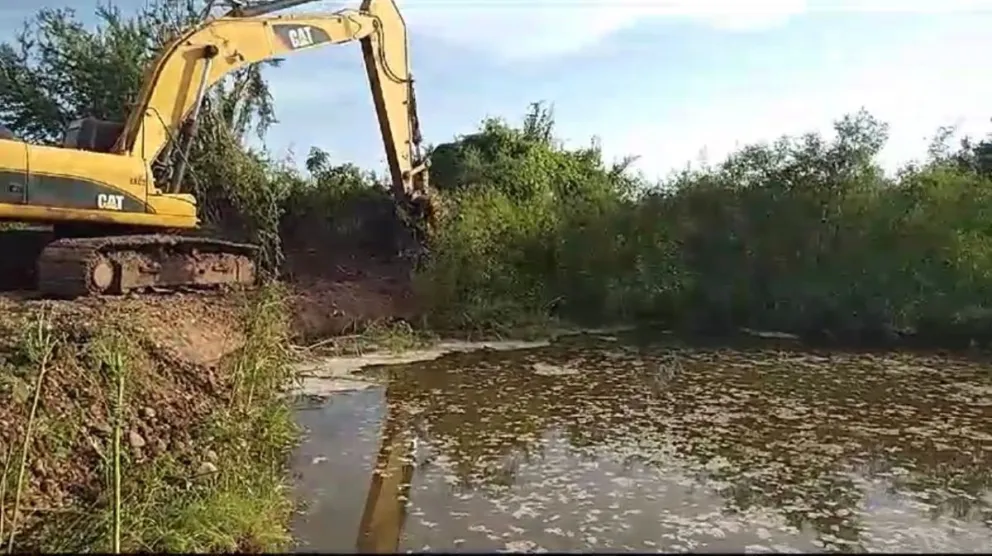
point(348, 269)
point(184, 359)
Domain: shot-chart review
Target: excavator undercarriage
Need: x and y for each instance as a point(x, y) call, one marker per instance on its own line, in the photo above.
point(70, 262)
point(79, 266)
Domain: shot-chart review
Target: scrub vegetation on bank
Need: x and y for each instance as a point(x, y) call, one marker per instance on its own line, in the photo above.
point(119, 433)
point(805, 234)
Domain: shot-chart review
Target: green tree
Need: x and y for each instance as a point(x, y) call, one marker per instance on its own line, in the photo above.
point(805, 234)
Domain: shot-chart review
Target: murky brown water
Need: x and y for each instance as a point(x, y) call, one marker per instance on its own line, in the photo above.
point(607, 447)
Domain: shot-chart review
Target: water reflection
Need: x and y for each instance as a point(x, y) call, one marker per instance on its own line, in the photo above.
point(613, 447)
point(384, 513)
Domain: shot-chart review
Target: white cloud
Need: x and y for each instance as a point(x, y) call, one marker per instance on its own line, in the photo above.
point(517, 29)
point(930, 86)
point(514, 30)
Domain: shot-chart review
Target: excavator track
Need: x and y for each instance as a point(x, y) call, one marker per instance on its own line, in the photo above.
point(81, 266)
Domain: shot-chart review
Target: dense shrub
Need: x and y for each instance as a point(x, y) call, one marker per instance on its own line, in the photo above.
point(804, 234)
point(339, 210)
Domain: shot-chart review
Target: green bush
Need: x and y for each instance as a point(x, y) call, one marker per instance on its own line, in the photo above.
point(338, 209)
point(805, 234)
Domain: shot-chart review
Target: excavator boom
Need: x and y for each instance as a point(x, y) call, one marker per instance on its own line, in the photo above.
point(197, 59)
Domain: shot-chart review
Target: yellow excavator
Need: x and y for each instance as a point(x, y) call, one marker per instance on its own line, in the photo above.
point(118, 225)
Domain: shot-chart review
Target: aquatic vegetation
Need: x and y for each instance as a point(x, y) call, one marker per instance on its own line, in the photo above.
point(671, 448)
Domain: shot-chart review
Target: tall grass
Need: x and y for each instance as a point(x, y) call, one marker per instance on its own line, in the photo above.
point(38, 344)
point(112, 353)
point(221, 488)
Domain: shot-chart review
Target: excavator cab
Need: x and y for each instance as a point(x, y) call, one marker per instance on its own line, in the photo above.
point(91, 134)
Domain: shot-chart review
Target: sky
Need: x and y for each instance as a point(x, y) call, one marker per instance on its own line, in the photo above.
point(670, 82)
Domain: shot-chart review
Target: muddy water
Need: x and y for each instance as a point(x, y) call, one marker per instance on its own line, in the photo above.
point(605, 446)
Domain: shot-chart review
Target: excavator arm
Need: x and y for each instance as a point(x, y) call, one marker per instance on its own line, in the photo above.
point(173, 89)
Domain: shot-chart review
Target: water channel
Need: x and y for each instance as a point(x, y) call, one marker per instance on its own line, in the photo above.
point(605, 444)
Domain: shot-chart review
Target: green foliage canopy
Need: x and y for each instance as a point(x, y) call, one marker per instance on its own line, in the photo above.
point(803, 234)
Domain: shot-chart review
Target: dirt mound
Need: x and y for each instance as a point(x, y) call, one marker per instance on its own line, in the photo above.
point(199, 327)
point(344, 296)
point(184, 367)
point(347, 264)
point(175, 381)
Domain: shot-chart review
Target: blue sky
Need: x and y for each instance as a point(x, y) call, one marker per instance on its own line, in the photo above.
point(663, 80)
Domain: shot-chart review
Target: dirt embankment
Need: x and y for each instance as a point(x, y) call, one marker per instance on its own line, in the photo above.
point(204, 428)
point(191, 360)
point(348, 295)
point(348, 271)
point(176, 378)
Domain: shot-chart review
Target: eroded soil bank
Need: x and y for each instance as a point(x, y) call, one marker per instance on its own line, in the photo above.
point(201, 374)
point(204, 426)
point(176, 380)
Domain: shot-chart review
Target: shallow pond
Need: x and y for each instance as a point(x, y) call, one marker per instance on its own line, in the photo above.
point(601, 445)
